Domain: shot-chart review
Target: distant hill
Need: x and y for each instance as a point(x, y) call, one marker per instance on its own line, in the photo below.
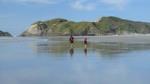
point(4, 33)
point(105, 26)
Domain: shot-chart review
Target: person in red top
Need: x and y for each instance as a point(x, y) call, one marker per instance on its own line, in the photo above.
point(71, 39)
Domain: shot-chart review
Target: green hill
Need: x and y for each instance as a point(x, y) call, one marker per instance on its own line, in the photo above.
point(4, 33)
point(105, 26)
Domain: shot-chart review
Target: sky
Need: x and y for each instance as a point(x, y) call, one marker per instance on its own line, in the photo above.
point(17, 15)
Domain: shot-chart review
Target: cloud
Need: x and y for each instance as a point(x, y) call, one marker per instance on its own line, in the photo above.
point(90, 5)
point(83, 5)
point(86, 5)
point(119, 4)
point(31, 1)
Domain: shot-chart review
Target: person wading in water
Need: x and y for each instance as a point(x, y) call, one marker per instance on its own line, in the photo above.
point(71, 39)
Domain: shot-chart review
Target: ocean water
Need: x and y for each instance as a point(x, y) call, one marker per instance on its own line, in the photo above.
point(51, 61)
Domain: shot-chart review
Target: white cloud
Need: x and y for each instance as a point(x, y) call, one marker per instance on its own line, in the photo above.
point(32, 1)
point(120, 4)
point(83, 5)
point(89, 5)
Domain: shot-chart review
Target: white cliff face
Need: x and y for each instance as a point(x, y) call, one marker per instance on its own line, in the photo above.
point(34, 30)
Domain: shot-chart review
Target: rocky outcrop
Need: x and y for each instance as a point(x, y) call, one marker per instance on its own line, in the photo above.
point(36, 29)
point(5, 34)
point(105, 26)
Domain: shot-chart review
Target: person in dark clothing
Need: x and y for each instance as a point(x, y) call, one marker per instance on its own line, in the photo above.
point(85, 43)
point(71, 39)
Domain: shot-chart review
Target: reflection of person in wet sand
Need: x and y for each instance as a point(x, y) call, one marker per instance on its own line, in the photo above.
point(85, 51)
point(71, 39)
point(71, 51)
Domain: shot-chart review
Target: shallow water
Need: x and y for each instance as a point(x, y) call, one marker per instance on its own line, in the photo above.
point(52, 61)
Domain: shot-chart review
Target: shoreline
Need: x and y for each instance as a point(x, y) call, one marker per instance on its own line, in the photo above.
point(77, 36)
point(129, 39)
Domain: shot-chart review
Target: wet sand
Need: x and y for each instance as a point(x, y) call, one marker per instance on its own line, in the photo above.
point(133, 39)
point(141, 39)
